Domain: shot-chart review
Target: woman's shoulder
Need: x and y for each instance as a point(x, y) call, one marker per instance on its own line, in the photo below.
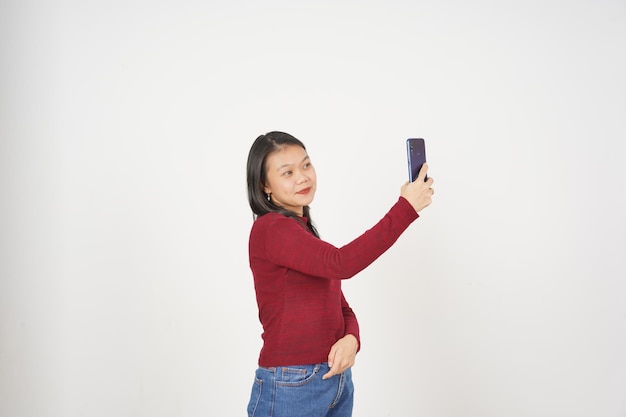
point(272, 220)
point(277, 221)
point(269, 218)
point(272, 225)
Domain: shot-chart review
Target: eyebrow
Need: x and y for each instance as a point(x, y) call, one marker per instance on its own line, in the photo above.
point(288, 165)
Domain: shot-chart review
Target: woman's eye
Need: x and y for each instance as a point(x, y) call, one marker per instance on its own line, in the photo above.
point(286, 173)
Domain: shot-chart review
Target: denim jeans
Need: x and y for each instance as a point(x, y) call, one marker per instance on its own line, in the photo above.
point(300, 391)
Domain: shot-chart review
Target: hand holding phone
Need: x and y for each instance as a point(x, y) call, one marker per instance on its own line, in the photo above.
point(418, 193)
point(416, 157)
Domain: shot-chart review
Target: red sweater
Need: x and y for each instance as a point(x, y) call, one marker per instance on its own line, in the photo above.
point(297, 278)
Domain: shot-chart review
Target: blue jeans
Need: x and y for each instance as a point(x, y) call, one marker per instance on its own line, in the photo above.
point(300, 391)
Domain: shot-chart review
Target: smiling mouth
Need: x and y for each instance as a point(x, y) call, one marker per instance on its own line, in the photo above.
point(305, 191)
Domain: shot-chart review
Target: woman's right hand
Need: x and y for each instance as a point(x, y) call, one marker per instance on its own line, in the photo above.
point(419, 192)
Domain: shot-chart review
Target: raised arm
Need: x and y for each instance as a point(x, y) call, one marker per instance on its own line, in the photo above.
point(288, 243)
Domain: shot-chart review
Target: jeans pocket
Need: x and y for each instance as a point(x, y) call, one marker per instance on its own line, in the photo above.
point(295, 376)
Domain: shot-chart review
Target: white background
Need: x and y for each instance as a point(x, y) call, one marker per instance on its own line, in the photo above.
point(125, 126)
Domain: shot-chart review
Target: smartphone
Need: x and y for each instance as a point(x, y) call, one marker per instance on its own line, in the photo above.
point(416, 156)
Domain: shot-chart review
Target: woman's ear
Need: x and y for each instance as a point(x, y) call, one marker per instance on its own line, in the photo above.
point(267, 190)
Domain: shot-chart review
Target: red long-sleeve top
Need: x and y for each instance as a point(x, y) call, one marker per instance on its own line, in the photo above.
point(297, 278)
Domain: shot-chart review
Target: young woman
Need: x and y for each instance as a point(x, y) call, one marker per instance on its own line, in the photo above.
point(310, 333)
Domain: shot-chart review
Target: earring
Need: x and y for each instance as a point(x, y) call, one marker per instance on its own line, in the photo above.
point(268, 196)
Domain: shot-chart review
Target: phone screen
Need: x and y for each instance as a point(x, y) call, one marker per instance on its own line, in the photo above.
point(416, 156)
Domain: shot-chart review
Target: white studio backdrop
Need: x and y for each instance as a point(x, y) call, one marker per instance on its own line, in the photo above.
point(124, 281)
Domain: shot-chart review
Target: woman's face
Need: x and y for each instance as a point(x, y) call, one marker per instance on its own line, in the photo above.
point(291, 179)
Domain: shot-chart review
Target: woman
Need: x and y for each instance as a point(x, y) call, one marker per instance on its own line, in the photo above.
point(310, 333)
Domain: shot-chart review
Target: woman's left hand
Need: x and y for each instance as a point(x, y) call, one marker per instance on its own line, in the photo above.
point(342, 355)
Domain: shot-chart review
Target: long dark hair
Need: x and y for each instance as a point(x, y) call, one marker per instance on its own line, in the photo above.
point(257, 176)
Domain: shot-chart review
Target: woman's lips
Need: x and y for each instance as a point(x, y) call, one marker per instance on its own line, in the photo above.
point(304, 191)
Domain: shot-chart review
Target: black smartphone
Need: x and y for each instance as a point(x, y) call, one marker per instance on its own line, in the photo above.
point(416, 156)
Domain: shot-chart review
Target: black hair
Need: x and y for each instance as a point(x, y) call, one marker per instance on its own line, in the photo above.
point(257, 176)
